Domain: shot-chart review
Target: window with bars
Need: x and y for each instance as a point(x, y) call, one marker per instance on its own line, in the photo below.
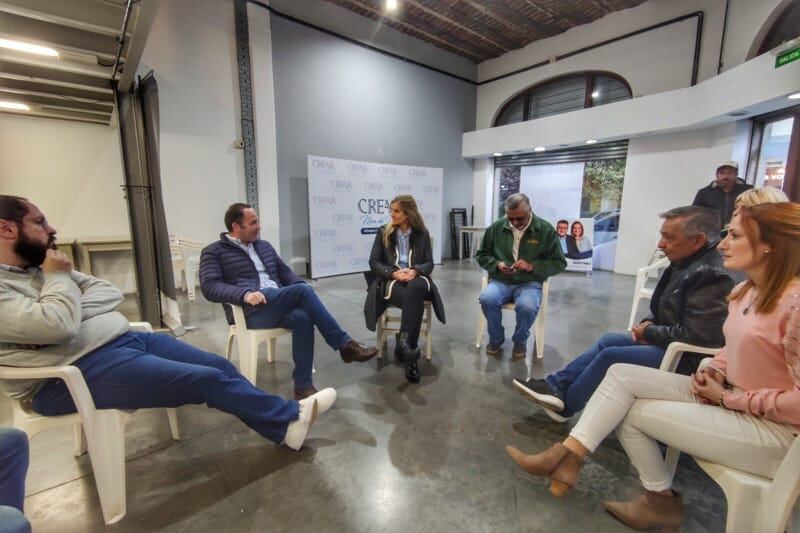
point(563, 94)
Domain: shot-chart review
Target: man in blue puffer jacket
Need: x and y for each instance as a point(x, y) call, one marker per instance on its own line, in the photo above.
point(241, 269)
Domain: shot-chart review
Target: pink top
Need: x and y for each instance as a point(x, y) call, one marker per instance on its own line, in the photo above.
point(756, 362)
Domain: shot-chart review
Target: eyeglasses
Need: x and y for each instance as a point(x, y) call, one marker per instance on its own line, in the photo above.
point(517, 219)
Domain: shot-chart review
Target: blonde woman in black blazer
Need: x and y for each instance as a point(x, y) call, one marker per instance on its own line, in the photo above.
point(401, 263)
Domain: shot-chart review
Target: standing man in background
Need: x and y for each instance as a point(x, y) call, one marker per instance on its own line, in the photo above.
point(721, 194)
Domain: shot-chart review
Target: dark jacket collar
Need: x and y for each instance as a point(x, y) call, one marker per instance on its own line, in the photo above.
point(738, 184)
point(700, 255)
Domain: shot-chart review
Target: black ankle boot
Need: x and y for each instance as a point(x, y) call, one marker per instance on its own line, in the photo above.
point(410, 358)
point(412, 370)
point(401, 346)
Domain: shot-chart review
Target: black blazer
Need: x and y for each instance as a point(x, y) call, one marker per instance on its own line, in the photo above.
point(383, 263)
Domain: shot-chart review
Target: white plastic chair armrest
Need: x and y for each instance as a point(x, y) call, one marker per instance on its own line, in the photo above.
point(142, 327)
point(655, 267)
point(676, 350)
point(71, 375)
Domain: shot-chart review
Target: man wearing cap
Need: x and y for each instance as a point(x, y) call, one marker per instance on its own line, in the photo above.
point(721, 194)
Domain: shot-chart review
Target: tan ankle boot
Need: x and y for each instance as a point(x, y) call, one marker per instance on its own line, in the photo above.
point(540, 464)
point(557, 462)
point(565, 476)
point(650, 510)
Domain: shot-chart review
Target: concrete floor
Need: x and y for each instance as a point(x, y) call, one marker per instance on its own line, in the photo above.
point(389, 457)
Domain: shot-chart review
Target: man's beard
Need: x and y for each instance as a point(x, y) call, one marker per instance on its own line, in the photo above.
point(31, 251)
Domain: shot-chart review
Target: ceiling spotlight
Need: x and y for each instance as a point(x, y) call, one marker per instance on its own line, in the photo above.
point(539, 149)
point(27, 47)
point(591, 141)
point(595, 94)
point(497, 154)
point(16, 106)
point(391, 5)
point(795, 96)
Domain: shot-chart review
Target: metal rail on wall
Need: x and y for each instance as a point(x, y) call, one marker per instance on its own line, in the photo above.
point(246, 102)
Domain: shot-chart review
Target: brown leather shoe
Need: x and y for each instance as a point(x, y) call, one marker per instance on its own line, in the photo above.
point(355, 351)
point(302, 394)
point(650, 510)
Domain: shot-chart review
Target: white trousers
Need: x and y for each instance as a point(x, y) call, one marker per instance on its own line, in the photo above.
point(647, 406)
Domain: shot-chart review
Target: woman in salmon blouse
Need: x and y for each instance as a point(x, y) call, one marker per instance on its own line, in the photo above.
point(742, 411)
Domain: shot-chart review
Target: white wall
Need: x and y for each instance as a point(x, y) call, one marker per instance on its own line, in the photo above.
point(748, 22)
point(345, 22)
point(73, 172)
point(192, 49)
point(659, 60)
point(264, 116)
point(663, 172)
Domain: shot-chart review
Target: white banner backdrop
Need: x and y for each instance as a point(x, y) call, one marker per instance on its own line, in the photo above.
point(348, 202)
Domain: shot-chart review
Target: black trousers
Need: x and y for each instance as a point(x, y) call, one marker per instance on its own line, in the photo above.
point(410, 297)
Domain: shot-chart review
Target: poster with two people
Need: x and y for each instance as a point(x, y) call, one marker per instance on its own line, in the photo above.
point(575, 236)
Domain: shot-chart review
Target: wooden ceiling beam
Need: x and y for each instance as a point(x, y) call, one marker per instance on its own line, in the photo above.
point(513, 26)
point(474, 56)
point(457, 24)
point(553, 15)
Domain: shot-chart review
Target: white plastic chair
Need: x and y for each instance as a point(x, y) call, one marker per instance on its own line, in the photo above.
point(538, 325)
point(755, 503)
point(386, 327)
point(186, 259)
point(103, 429)
point(249, 340)
point(640, 292)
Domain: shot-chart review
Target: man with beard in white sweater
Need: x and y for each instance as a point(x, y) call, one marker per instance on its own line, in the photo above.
point(54, 315)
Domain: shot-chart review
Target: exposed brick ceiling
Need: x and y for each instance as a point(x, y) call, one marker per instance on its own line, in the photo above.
point(484, 29)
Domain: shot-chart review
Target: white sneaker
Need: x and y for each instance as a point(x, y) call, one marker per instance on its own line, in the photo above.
point(555, 417)
point(325, 399)
point(298, 430)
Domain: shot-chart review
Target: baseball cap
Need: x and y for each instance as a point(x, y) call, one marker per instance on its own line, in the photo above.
point(733, 164)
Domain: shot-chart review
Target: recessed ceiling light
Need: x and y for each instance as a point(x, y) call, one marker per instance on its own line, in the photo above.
point(795, 96)
point(16, 106)
point(591, 141)
point(497, 154)
point(595, 94)
point(391, 5)
point(539, 149)
point(27, 47)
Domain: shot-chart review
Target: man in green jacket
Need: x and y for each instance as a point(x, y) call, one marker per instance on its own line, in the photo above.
point(519, 251)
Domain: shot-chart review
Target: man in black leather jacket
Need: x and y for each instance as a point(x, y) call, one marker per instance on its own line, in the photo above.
point(689, 305)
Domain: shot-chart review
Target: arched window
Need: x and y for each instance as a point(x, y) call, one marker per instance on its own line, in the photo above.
point(785, 28)
point(563, 94)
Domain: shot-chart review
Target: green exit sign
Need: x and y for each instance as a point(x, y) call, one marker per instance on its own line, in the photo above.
point(787, 57)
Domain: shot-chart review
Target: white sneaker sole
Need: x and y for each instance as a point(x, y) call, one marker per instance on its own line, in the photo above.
point(555, 417)
point(549, 401)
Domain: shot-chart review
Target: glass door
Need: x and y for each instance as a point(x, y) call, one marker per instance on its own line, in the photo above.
point(773, 156)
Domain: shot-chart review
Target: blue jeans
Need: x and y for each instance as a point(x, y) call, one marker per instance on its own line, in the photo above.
point(578, 380)
point(297, 307)
point(526, 298)
point(13, 521)
point(143, 370)
point(13, 467)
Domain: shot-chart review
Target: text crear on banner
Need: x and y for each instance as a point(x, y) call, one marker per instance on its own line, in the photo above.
point(349, 201)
